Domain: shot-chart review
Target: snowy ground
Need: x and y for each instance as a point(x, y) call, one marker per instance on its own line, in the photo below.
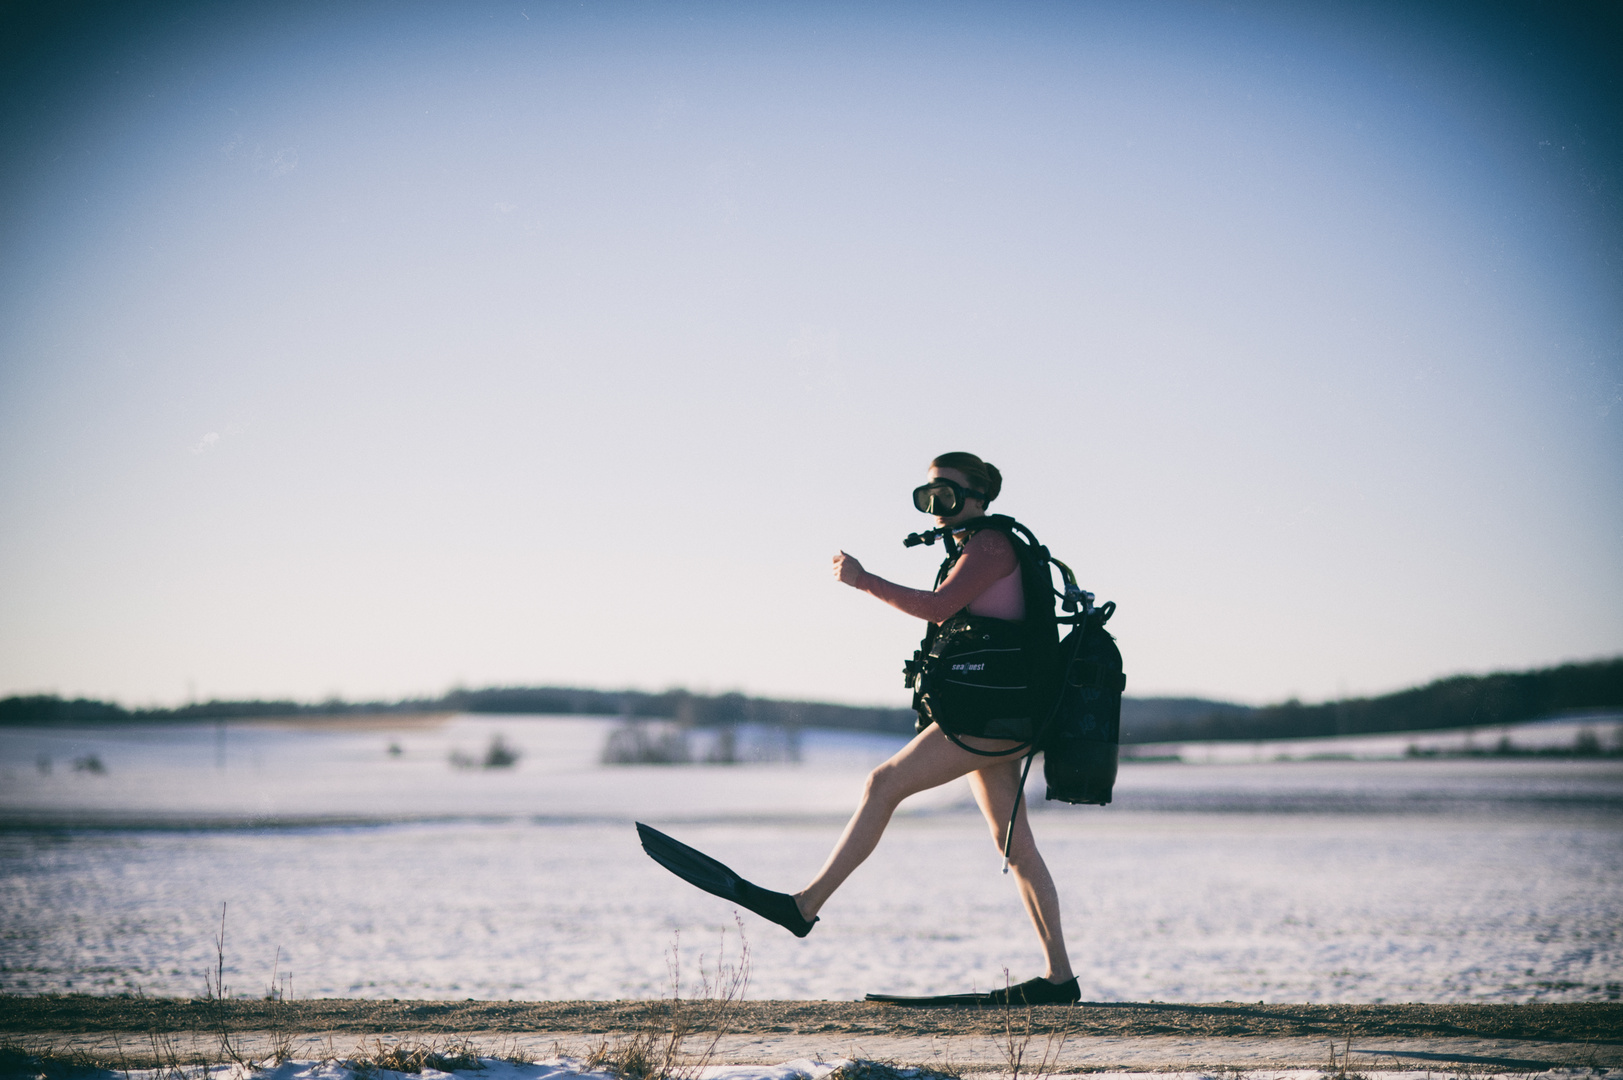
point(348, 870)
point(802, 1069)
point(494, 1069)
point(484, 1068)
point(273, 773)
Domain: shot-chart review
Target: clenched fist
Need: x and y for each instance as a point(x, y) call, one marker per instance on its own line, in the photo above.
point(848, 571)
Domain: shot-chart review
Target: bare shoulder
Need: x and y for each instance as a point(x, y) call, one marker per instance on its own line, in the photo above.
point(991, 544)
point(989, 539)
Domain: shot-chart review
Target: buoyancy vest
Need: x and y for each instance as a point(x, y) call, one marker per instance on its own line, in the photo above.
point(1038, 631)
point(1076, 705)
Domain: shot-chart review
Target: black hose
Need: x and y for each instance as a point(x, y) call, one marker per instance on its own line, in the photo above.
point(1019, 797)
point(1038, 736)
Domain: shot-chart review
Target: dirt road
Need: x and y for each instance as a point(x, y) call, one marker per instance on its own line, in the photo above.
point(1128, 1036)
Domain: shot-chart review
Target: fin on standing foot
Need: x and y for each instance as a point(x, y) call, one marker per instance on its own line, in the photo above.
point(1033, 992)
point(1038, 991)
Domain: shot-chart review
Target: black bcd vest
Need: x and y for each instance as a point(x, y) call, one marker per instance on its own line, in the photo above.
point(1076, 684)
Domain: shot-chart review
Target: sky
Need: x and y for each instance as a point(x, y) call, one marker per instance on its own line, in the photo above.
point(373, 349)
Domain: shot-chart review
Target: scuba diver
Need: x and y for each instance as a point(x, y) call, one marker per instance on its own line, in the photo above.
point(976, 718)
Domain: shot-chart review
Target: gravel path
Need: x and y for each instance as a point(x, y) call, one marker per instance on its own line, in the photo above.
point(1114, 1036)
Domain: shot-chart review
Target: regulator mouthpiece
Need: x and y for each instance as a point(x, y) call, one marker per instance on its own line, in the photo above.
point(926, 538)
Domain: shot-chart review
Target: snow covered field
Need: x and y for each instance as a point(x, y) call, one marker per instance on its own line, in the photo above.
point(568, 1069)
point(362, 872)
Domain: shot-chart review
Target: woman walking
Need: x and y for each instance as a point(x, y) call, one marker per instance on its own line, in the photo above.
point(979, 727)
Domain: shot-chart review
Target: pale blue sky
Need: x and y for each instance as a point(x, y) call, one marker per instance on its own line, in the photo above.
point(371, 349)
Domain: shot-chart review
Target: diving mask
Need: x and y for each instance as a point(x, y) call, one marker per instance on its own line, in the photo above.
point(943, 497)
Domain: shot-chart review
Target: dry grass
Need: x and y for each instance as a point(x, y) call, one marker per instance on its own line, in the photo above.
point(887, 1070)
point(216, 994)
point(409, 1056)
point(164, 1057)
point(659, 1049)
point(164, 1060)
point(167, 1059)
point(43, 1064)
point(1016, 1042)
point(1341, 1067)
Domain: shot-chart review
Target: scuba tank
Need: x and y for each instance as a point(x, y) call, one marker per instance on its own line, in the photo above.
point(1079, 753)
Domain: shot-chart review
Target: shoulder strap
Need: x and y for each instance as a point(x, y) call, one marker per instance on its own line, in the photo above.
point(1006, 524)
point(1035, 577)
point(1022, 537)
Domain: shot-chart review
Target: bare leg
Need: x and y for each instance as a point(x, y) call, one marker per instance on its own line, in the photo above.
point(930, 760)
point(996, 787)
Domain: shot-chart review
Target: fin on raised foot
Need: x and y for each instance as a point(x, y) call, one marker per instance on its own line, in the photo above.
point(697, 868)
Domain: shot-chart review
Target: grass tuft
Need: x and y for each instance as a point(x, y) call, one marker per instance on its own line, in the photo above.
point(19, 1061)
point(408, 1056)
point(1340, 1067)
point(887, 1070)
point(1018, 1030)
point(658, 1050)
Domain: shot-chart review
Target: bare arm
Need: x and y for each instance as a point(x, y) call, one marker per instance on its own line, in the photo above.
point(988, 557)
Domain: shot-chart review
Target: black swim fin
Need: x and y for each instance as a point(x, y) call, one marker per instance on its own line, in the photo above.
point(1032, 992)
point(697, 868)
point(960, 1000)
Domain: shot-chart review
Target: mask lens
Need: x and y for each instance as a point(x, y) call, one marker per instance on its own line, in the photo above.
point(939, 497)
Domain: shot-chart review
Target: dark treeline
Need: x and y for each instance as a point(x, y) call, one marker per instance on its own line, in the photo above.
point(1144, 719)
point(1461, 701)
point(1457, 702)
point(698, 709)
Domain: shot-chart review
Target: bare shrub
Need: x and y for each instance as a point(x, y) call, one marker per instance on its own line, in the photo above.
point(637, 742)
point(887, 1070)
point(409, 1056)
point(1340, 1067)
point(1018, 1031)
point(658, 1049)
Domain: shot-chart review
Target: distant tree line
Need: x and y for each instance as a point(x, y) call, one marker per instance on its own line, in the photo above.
point(697, 709)
point(1457, 702)
point(1460, 701)
point(1144, 719)
point(703, 710)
